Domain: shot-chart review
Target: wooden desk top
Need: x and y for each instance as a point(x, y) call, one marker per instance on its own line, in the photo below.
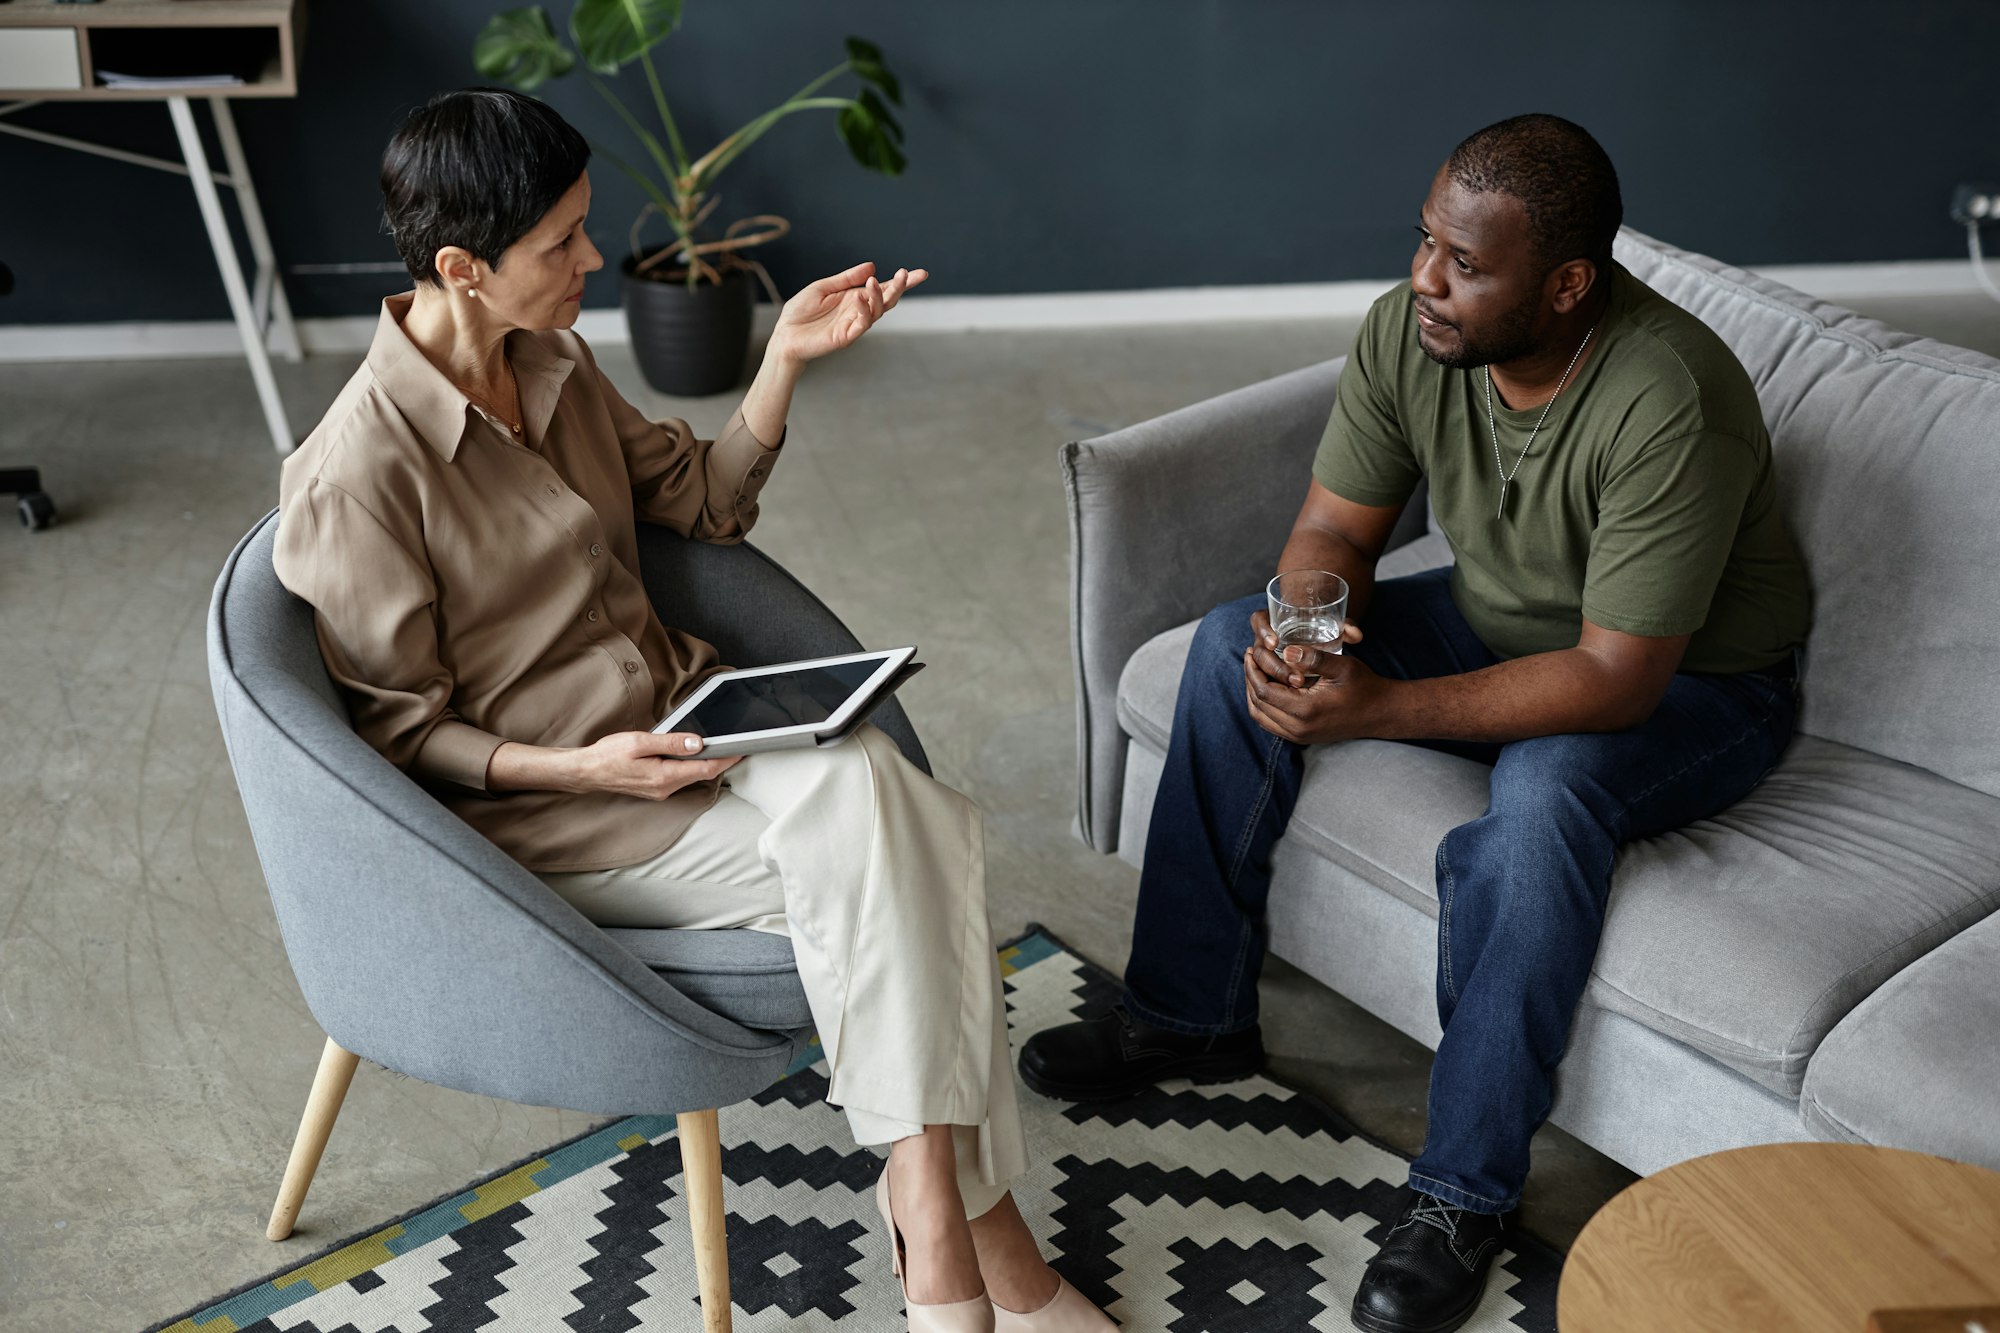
point(146, 14)
point(1786, 1238)
point(279, 77)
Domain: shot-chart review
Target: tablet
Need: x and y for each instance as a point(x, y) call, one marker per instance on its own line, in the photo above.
point(816, 702)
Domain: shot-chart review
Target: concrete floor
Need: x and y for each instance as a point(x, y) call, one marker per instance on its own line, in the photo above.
point(156, 1049)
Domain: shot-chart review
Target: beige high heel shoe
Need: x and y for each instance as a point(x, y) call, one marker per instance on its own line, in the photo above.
point(973, 1316)
point(1066, 1312)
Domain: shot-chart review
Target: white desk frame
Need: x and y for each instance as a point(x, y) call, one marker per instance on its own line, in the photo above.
point(263, 314)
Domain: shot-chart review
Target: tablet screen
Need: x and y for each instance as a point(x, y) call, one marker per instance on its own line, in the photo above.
point(781, 699)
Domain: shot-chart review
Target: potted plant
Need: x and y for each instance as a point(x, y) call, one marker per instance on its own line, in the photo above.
point(688, 302)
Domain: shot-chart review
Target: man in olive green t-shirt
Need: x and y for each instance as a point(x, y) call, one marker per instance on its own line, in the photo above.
point(1617, 636)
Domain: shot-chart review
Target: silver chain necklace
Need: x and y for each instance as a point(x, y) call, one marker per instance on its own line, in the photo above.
point(1506, 476)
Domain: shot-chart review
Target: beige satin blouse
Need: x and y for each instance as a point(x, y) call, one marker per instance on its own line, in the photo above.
point(471, 590)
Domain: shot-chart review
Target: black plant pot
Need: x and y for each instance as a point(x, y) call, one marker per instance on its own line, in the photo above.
point(690, 341)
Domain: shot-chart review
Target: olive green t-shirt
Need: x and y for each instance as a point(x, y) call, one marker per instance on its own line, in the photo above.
point(1647, 502)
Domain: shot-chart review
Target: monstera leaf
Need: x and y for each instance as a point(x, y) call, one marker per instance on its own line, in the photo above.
point(865, 59)
point(519, 46)
point(873, 135)
point(613, 33)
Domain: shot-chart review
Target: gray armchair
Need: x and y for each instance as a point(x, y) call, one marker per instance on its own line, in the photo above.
point(423, 947)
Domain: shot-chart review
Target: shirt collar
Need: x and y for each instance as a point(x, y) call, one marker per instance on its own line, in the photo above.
point(435, 406)
point(541, 374)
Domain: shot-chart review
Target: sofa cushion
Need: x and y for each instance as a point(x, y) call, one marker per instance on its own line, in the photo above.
point(1887, 468)
point(1747, 936)
point(1149, 683)
point(1426, 552)
point(1914, 1066)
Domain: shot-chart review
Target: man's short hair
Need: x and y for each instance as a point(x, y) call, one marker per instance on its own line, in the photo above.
point(1562, 176)
point(478, 169)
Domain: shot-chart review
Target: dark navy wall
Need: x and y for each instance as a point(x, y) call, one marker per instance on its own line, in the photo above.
point(1062, 145)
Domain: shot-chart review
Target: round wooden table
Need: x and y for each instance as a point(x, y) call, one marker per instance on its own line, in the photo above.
point(1790, 1238)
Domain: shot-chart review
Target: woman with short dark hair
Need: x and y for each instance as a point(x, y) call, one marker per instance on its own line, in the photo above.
point(462, 522)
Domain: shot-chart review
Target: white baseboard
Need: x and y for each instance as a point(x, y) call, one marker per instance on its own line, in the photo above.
point(1843, 283)
point(1137, 309)
point(349, 336)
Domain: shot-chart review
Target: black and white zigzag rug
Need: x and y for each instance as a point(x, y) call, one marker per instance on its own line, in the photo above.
point(1245, 1208)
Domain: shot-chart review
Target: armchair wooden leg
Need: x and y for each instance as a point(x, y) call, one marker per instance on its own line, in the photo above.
point(336, 1071)
point(701, 1174)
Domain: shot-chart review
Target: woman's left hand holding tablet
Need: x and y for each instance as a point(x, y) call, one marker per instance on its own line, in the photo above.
point(648, 765)
point(645, 764)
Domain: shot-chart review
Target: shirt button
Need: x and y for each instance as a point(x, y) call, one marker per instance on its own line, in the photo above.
point(595, 549)
point(742, 500)
point(631, 668)
point(591, 617)
point(756, 472)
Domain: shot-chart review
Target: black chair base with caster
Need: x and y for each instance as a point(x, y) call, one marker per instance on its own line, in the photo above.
point(38, 511)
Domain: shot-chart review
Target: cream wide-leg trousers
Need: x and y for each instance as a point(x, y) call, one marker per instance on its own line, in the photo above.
point(877, 872)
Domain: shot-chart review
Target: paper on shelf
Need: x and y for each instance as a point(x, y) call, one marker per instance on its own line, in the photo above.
point(111, 79)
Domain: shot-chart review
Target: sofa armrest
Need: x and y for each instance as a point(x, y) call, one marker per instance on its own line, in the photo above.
point(1167, 519)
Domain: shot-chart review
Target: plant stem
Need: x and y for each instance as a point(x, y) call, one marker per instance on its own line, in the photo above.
point(666, 116)
point(725, 152)
point(665, 205)
point(632, 122)
point(704, 171)
point(820, 82)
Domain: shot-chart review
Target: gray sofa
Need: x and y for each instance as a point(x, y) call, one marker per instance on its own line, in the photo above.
point(1820, 961)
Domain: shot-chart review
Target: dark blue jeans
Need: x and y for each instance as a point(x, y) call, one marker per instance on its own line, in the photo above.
point(1521, 889)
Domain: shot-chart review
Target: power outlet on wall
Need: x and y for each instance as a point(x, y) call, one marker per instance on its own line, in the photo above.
point(1975, 202)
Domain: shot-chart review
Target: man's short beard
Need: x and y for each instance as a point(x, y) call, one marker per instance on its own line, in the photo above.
point(1511, 338)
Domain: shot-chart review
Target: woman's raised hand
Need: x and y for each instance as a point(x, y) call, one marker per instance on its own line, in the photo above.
point(645, 764)
point(831, 313)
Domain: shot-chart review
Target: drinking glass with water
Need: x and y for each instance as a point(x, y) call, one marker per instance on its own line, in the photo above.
point(1309, 608)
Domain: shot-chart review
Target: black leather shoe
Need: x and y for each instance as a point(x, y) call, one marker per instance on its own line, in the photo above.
point(1115, 1055)
point(1431, 1271)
